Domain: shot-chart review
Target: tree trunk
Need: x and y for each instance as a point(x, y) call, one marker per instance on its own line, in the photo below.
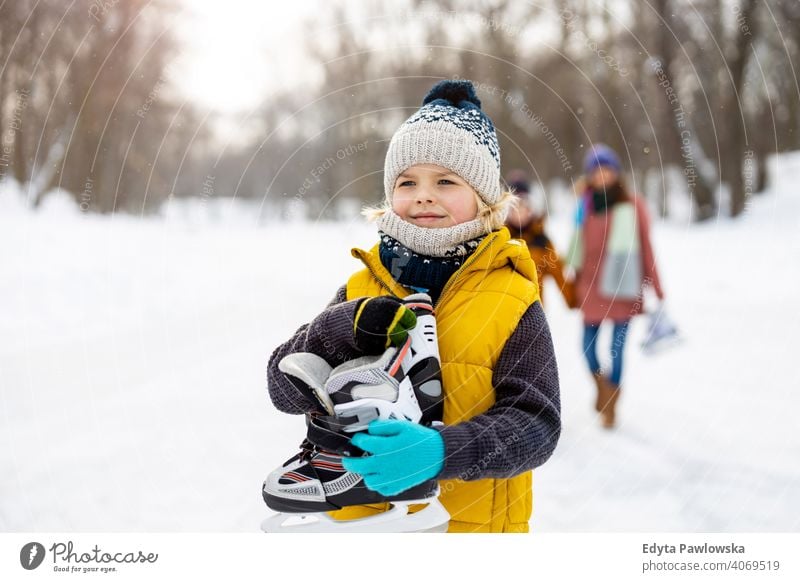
point(682, 142)
point(733, 116)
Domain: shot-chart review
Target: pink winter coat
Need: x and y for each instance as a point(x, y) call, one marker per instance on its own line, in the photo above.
point(596, 307)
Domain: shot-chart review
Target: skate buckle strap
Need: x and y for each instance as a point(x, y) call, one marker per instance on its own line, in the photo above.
point(325, 435)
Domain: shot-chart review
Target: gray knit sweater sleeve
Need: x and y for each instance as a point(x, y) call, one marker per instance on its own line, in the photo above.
point(520, 431)
point(329, 335)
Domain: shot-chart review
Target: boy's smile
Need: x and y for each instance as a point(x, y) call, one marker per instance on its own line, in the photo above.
point(431, 196)
point(426, 217)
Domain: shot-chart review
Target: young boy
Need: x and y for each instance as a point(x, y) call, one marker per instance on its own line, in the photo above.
point(441, 231)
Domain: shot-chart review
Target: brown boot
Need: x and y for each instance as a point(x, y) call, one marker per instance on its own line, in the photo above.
point(602, 395)
point(609, 410)
point(605, 390)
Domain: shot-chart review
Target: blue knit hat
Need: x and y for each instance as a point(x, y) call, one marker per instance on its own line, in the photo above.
point(601, 155)
point(449, 130)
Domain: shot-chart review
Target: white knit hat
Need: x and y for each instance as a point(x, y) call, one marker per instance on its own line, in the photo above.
point(451, 131)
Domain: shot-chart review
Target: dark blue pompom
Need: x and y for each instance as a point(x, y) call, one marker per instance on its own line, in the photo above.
point(453, 91)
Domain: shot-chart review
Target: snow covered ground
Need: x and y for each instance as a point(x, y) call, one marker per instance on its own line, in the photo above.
point(133, 354)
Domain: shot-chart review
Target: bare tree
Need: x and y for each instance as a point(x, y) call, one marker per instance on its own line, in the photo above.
point(83, 98)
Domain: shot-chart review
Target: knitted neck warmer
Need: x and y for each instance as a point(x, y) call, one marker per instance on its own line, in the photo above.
point(602, 200)
point(431, 242)
point(422, 273)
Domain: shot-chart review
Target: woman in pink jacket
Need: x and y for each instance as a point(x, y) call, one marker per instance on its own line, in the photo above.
point(613, 262)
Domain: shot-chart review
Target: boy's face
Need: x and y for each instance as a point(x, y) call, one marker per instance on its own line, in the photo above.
point(431, 196)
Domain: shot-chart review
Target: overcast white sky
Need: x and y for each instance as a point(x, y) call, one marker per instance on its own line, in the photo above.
point(233, 52)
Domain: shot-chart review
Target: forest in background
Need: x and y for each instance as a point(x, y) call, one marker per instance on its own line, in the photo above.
point(89, 105)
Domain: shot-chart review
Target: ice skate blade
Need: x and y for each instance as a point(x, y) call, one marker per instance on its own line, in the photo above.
point(662, 345)
point(432, 519)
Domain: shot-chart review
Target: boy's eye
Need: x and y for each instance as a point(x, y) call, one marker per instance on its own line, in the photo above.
point(446, 181)
point(406, 183)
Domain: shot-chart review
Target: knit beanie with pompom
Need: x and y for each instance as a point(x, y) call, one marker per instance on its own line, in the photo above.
point(449, 130)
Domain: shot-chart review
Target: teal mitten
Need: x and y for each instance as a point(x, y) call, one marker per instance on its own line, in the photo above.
point(402, 454)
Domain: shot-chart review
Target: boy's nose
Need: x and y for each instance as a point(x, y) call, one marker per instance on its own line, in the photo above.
point(424, 195)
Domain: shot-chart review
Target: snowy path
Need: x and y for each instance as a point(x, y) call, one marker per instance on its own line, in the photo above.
point(132, 360)
point(134, 399)
point(707, 439)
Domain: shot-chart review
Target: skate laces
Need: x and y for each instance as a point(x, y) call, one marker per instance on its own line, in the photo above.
point(307, 448)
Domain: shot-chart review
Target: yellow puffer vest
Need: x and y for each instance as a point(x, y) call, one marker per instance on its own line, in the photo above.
point(479, 309)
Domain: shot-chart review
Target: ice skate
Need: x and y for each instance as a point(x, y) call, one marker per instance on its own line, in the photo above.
point(404, 383)
point(662, 333)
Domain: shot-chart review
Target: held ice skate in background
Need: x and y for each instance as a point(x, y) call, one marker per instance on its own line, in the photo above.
point(405, 383)
point(662, 333)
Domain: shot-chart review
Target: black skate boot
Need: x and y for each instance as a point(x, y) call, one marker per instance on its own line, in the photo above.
point(404, 382)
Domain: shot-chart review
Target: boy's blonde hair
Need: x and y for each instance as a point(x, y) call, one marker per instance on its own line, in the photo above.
point(492, 216)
